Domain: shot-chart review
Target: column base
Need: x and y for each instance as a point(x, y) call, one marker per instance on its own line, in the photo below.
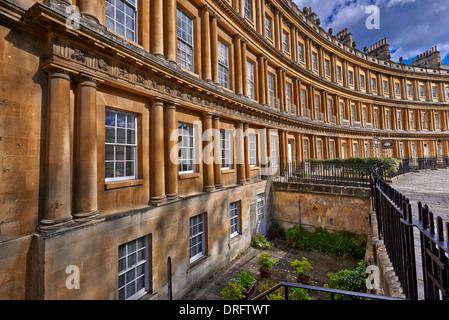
point(209, 188)
point(47, 225)
point(86, 216)
point(241, 181)
point(218, 186)
point(155, 201)
point(172, 197)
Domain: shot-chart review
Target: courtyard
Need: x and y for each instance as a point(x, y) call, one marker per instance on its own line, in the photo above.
point(282, 270)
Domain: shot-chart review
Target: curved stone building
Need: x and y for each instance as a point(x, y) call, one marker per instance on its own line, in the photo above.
point(135, 134)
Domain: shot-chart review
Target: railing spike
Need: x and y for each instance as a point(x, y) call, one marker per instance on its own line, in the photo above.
point(440, 229)
point(432, 223)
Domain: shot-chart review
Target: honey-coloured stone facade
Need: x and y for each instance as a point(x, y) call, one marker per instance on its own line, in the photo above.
point(259, 81)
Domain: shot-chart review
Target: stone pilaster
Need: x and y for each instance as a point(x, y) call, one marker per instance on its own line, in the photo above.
point(157, 173)
point(57, 196)
point(85, 204)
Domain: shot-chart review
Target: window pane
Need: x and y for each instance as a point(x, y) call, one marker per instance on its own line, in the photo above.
point(110, 135)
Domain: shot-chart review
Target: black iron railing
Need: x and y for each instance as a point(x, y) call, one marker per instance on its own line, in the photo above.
point(332, 292)
point(322, 173)
point(396, 227)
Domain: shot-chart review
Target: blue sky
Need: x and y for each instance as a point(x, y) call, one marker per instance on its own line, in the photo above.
point(410, 26)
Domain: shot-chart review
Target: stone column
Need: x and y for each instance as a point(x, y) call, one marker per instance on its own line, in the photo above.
point(208, 156)
point(214, 48)
point(171, 152)
point(206, 53)
point(85, 204)
point(157, 167)
point(238, 65)
point(245, 70)
point(57, 196)
point(89, 9)
point(170, 21)
point(157, 28)
point(217, 158)
point(262, 91)
point(246, 149)
point(240, 154)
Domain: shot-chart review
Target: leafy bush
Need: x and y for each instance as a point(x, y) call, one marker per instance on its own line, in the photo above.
point(275, 296)
point(246, 279)
point(340, 243)
point(349, 280)
point(265, 261)
point(301, 267)
point(299, 294)
point(259, 241)
point(233, 291)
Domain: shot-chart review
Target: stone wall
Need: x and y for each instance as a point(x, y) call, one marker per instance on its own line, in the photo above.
point(93, 248)
point(320, 206)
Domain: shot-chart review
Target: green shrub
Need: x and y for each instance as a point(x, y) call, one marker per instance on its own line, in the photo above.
point(299, 294)
point(259, 241)
point(275, 296)
point(265, 261)
point(246, 280)
point(340, 243)
point(350, 280)
point(233, 291)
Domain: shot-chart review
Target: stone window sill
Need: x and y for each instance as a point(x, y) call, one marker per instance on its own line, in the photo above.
point(123, 184)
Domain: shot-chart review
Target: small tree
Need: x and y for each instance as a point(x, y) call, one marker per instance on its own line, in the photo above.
point(233, 291)
point(301, 268)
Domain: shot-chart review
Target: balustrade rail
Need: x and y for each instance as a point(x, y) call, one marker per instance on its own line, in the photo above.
point(396, 227)
point(322, 173)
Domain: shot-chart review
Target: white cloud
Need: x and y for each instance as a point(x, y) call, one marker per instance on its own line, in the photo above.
point(411, 26)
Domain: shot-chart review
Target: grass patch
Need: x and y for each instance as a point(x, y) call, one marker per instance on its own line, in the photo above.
point(341, 243)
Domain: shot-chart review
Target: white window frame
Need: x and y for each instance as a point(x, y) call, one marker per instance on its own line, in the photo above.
point(362, 81)
point(285, 41)
point(338, 73)
point(185, 148)
point(260, 207)
point(409, 90)
point(306, 150)
point(421, 91)
point(350, 78)
point(318, 149)
point(234, 218)
point(437, 122)
point(411, 120)
point(300, 52)
point(314, 61)
point(303, 101)
point(250, 76)
point(252, 149)
point(268, 27)
point(373, 84)
point(326, 67)
point(129, 148)
point(185, 40)
point(197, 237)
point(273, 155)
point(387, 119)
point(288, 96)
point(225, 149)
point(271, 90)
point(133, 267)
point(223, 64)
point(112, 12)
point(399, 117)
point(248, 9)
point(385, 86)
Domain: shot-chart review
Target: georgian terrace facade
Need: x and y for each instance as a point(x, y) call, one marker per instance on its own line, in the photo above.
point(91, 109)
